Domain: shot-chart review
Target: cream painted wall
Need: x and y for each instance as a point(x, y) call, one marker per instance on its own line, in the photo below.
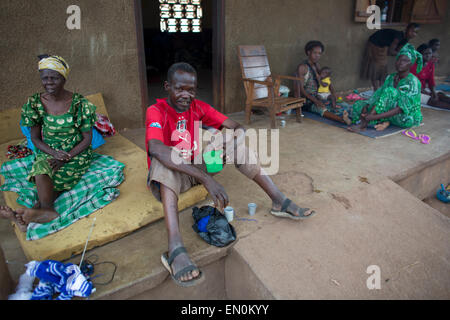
point(102, 54)
point(285, 26)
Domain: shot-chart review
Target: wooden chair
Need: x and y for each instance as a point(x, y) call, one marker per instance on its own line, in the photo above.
point(262, 88)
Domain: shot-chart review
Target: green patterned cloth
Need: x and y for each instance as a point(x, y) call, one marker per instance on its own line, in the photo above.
point(406, 96)
point(414, 56)
point(61, 132)
point(96, 189)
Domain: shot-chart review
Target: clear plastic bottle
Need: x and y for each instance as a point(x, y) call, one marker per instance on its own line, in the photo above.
point(384, 12)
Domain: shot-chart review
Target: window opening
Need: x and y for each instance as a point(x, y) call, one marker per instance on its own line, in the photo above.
point(180, 15)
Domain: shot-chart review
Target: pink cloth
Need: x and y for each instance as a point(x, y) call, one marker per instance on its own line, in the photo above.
point(354, 97)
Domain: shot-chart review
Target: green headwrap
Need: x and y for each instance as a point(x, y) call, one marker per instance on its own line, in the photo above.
point(413, 55)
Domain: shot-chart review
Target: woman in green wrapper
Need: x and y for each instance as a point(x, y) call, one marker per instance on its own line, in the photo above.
point(61, 130)
point(397, 102)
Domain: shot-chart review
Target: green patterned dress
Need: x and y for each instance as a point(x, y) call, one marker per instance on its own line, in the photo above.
point(406, 96)
point(61, 132)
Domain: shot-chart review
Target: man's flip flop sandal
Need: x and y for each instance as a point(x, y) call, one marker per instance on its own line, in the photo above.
point(167, 262)
point(283, 214)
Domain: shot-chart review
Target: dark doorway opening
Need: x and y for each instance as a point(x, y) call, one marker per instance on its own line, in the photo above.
point(162, 49)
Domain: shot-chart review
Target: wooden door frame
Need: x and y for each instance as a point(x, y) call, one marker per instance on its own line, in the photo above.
point(218, 60)
point(142, 67)
point(218, 49)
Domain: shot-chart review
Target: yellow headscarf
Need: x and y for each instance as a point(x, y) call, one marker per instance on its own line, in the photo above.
point(55, 63)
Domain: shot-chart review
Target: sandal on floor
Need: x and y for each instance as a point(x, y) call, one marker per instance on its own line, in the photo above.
point(411, 134)
point(424, 139)
point(284, 214)
point(443, 195)
point(167, 262)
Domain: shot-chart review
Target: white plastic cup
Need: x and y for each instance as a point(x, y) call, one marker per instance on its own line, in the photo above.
point(229, 213)
point(252, 208)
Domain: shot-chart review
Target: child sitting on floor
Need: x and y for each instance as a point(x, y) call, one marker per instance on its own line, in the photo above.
point(326, 90)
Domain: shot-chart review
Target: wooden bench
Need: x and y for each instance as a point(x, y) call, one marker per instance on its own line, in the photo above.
point(262, 88)
point(133, 209)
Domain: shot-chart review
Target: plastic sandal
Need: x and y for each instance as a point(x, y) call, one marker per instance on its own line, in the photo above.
point(411, 134)
point(424, 139)
point(443, 195)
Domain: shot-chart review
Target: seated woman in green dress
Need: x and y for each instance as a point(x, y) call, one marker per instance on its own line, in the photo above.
point(397, 102)
point(61, 130)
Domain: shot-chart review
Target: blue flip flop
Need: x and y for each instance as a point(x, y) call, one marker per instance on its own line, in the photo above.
point(443, 195)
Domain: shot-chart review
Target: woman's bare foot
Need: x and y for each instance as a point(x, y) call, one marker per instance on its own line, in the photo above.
point(361, 127)
point(382, 126)
point(8, 213)
point(36, 215)
point(346, 118)
point(354, 128)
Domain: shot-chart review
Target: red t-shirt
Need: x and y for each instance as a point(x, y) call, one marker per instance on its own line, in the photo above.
point(180, 129)
point(426, 76)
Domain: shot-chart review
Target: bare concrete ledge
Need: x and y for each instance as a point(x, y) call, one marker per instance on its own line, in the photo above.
point(212, 288)
point(6, 283)
point(241, 282)
point(327, 257)
point(146, 285)
point(424, 180)
point(403, 175)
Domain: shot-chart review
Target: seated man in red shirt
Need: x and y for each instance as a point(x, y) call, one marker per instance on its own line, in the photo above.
point(172, 126)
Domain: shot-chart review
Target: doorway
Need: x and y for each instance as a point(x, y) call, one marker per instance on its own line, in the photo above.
point(203, 49)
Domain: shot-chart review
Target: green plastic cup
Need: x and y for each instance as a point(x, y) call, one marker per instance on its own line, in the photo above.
point(213, 160)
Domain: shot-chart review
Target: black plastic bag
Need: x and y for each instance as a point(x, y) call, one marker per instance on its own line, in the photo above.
point(212, 226)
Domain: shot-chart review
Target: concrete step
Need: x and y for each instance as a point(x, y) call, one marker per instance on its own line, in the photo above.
point(140, 273)
point(328, 256)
